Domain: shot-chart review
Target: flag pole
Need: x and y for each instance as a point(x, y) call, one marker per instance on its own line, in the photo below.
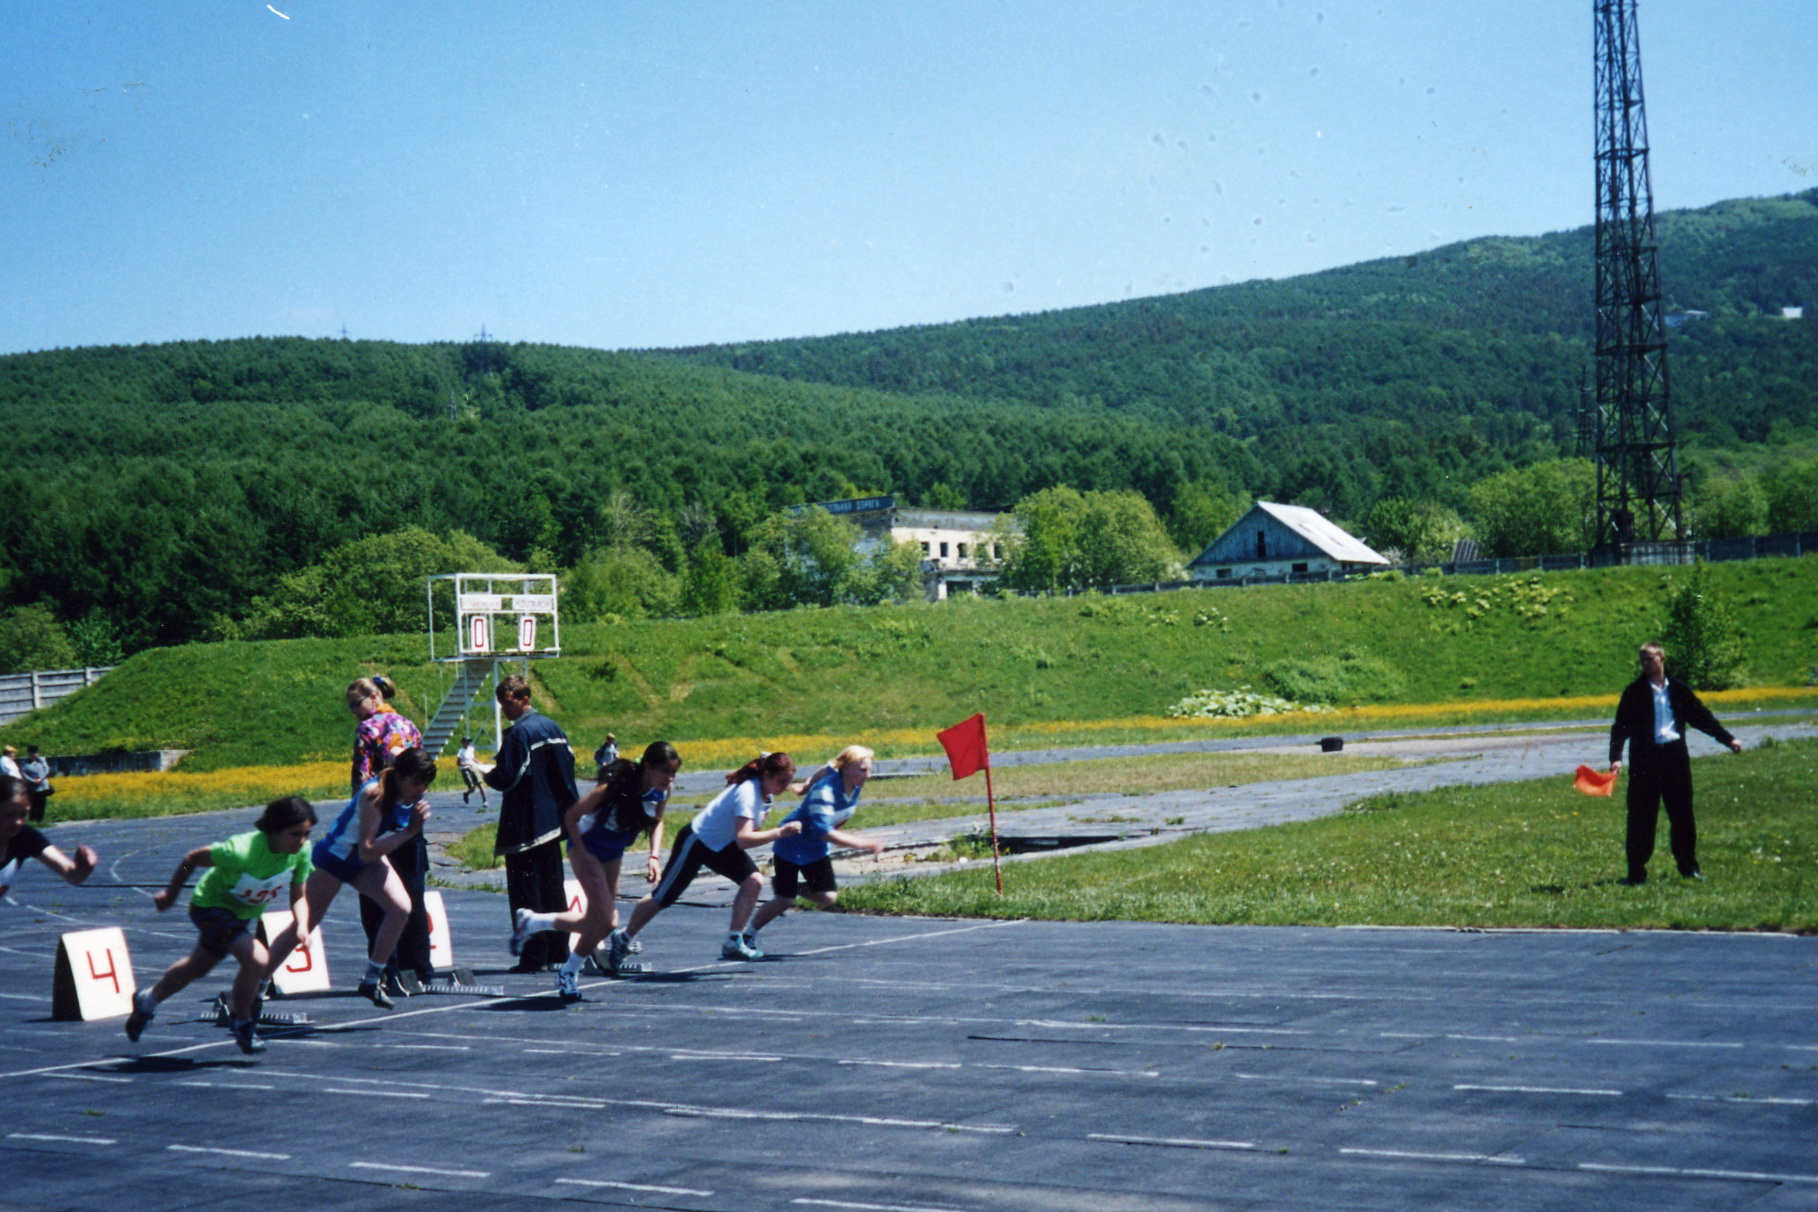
point(997, 868)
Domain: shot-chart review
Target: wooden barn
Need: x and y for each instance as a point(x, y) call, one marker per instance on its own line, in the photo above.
point(1275, 540)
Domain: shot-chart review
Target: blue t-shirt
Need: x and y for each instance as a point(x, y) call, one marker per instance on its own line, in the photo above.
point(826, 807)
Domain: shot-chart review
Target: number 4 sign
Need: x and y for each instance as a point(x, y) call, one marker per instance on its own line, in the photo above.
point(94, 977)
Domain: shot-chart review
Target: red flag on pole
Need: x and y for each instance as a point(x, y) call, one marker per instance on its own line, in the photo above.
point(1594, 782)
point(968, 754)
point(965, 744)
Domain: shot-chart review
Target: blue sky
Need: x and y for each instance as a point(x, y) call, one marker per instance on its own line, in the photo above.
point(635, 175)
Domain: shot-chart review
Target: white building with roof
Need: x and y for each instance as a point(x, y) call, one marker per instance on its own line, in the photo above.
point(960, 547)
point(1277, 540)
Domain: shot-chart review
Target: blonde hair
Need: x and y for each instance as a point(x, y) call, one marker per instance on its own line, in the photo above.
point(849, 755)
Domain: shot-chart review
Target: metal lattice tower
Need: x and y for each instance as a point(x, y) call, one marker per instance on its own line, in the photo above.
point(1638, 496)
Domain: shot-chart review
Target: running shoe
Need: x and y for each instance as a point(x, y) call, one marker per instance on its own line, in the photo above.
point(568, 986)
point(374, 992)
point(247, 1036)
point(520, 930)
point(736, 948)
point(617, 948)
point(143, 1010)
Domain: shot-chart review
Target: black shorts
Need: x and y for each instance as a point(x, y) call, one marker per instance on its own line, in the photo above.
point(220, 928)
point(818, 875)
point(686, 859)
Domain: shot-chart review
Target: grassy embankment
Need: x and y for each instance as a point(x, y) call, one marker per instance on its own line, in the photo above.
point(1533, 854)
point(1056, 671)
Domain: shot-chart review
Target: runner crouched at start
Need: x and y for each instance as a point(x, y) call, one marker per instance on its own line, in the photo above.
point(831, 799)
point(246, 874)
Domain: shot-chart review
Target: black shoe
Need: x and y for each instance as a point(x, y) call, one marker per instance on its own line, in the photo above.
point(247, 1037)
point(373, 992)
point(1693, 874)
point(1633, 881)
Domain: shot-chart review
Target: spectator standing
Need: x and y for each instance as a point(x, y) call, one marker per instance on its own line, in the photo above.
point(35, 770)
point(534, 772)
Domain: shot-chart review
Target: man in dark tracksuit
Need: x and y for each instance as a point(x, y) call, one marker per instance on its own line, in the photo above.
point(1652, 717)
point(534, 768)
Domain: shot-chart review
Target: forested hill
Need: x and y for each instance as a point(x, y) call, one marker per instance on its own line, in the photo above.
point(1474, 344)
point(158, 494)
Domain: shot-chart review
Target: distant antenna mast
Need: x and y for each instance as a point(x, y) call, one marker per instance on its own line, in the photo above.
point(1637, 467)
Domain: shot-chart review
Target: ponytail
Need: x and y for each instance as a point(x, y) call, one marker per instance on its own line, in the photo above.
point(764, 765)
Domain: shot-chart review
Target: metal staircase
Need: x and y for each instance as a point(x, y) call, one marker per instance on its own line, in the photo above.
point(469, 682)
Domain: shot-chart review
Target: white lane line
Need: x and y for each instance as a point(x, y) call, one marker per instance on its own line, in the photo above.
point(426, 1047)
point(1048, 1022)
point(841, 1203)
point(1745, 1175)
point(695, 1055)
point(1405, 1035)
point(903, 1064)
point(456, 1007)
point(72, 1140)
point(1490, 1039)
point(229, 1152)
point(421, 1170)
point(600, 1182)
point(1442, 1157)
point(87, 1077)
point(1171, 1142)
point(869, 1121)
point(547, 1051)
point(1743, 1098)
point(228, 1085)
point(373, 1093)
point(914, 938)
point(1664, 1043)
point(23, 997)
point(1309, 1081)
point(1541, 1090)
point(1065, 1069)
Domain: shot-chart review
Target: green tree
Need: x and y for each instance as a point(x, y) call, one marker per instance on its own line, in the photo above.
point(1702, 640)
point(1202, 511)
point(624, 582)
point(1730, 507)
point(711, 584)
point(1066, 539)
point(1792, 497)
point(1416, 531)
point(1540, 510)
point(31, 639)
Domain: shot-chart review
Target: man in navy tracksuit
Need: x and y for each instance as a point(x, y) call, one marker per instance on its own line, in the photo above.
point(1652, 717)
point(534, 769)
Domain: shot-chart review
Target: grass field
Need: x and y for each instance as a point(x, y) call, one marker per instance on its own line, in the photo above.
point(1532, 854)
point(1045, 671)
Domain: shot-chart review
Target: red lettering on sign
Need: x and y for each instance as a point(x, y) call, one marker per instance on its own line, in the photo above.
point(109, 974)
point(303, 953)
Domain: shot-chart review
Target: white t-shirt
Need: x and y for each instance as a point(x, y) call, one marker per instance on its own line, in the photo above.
point(718, 823)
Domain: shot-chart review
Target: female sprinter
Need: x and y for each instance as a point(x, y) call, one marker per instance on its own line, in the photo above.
point(717, 838)
point(803, 858)
point(380, 735)
point(601, 826)
point(385, 814)
point(246, 874)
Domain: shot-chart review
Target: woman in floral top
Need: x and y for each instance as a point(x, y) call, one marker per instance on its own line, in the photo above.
point(380, 736)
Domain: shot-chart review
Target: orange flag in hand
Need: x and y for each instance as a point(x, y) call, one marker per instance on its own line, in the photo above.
point(1595, 782)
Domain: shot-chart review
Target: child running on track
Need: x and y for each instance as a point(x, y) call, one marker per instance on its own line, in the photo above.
point(19, 841)
point(831, 799)
point(601, 826)
point(383, 815)
point(717, 838)
point(246, 874)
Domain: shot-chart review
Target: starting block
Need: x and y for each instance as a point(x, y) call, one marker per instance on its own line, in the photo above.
point(224, 1015)
point(94, 976)
point(464, 988)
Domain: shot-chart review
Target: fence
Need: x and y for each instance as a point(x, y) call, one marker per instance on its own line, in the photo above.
point(23, 693)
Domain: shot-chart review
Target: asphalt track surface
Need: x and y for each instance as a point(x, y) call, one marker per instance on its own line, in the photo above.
point(917, 1064)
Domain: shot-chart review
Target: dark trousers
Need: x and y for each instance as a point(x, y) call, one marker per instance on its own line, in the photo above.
point(411, 862)
point(35, 801)
point(1657, 775)
point(533, 881)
